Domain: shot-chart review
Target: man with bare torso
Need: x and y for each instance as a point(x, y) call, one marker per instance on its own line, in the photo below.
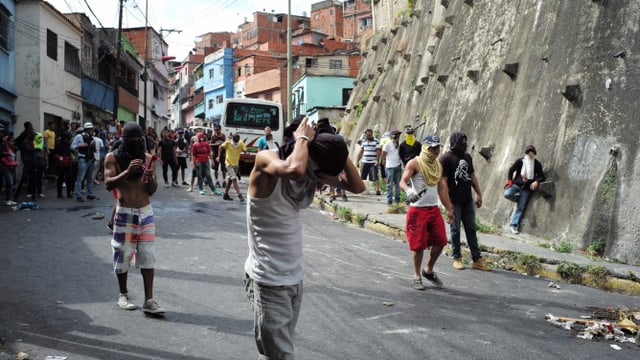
point(131, 171)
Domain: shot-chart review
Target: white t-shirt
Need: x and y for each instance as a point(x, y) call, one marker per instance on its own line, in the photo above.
point(392, 155)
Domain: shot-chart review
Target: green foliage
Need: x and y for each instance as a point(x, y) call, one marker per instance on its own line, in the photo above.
point(485, 228)
point(358, 219)
point(545, 245)
point(571, 272)
point(597, 271)
point(359, 109)
point(411, 4)
point(610, 183)
point(529, 262)
point(565, 247)
point(397, 208)
point(597, 248)
point(344, 214)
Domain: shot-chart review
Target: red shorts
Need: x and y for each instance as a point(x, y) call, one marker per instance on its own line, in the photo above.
point(425, 228)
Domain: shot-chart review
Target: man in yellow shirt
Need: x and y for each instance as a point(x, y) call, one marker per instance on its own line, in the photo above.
point(50, 139)
point(233, 148)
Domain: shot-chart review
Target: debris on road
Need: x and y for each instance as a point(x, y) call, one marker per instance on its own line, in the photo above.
point(604, 323)
point(553, 285)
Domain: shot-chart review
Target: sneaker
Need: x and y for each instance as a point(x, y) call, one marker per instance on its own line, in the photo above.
point(217, 193)
point(201, 192)
point(11, 203)
point(480, 265)
point(190, 189)
point(41, 195)
point(185, 183)
point(417, 284)
point(240, 197)
point(457, 264)
point(227, 197)
point(514, 230)
point(378, 192)
point(29, 196)
point(151, 307)
point(344, 198)
point(91, 197)
point(432, 277)
point(166, 185)
point(125, 303)
point(218, 184)
point(79, 199)
point(224, 184)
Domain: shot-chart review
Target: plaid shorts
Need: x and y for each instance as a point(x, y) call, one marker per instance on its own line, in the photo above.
point(134, 233)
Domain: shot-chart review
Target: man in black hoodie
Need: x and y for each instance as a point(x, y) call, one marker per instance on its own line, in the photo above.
point(524, 177)
point(458, 177)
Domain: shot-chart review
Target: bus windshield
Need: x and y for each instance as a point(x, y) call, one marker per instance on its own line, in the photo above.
point(249, 115)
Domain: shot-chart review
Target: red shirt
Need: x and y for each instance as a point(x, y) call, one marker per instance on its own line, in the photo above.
point(200, 151)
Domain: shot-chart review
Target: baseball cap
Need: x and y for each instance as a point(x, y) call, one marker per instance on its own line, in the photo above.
point(396, 132)
point(181, 131)
point(88, 125)
point(409, 130)
point(432, 140)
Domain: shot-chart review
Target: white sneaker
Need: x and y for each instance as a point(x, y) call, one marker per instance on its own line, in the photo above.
point(11, 203)
point(41, 195)
point(514, 230)
point(166, 185)
point(125, 303)
point(190, 189)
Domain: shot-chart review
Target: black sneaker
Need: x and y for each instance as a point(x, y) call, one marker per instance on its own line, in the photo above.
point(227, 197)
point(91, 197)
point(240, 198)
point(79, 199)
point(432, 277)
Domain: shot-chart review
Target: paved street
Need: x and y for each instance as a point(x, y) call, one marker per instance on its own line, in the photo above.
point(58, 294)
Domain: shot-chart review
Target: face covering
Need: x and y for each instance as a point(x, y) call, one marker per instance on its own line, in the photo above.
point(132, 147)
point(410, 139)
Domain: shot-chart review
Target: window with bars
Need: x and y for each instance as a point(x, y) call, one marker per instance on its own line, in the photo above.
point(52, 45)
point(210, 103)
point(335, 64)
point(7, 29)
point(219, 99)
point(71, 59)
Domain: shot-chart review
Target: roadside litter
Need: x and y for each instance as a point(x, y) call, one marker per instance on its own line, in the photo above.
point(618, 325)
point(27, 206)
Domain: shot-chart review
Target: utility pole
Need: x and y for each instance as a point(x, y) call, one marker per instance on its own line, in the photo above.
point(116, 84)
point(145, 74)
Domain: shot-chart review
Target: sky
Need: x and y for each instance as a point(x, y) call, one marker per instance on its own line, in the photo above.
point(191, 17)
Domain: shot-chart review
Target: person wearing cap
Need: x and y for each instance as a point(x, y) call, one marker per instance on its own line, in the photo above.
point(232, 149)
point(7, 167)
point(200, 155)
point(280, 185)
point(369, 158)
point(524, 177)
point(84, 147)
point(425, 227)
point(182, 152)
point(410, 147)
point(458, 178)
point(131, 171)
point(393, 166)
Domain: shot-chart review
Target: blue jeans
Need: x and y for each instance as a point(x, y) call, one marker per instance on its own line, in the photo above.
point(393, 183)
point(203, 171)
point(85, 168)
point(275, 315)
point(519, 196)
point(466, 214)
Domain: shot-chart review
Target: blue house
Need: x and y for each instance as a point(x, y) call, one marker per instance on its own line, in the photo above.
point(7, 63)
point(318, 96)
point(218, 83)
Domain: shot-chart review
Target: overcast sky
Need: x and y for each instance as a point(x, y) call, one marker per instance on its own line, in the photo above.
point(192, 17)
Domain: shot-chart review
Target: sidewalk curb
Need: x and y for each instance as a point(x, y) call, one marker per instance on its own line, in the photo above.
point(601, 276)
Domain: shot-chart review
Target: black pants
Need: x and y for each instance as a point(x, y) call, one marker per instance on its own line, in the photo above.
point(174, 171)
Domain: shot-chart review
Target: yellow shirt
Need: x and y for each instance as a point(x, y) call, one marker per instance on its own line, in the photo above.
point(50, 138)
point(233, 152)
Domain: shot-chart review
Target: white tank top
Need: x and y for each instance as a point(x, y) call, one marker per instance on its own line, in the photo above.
point(275, 239)
point(430, 195)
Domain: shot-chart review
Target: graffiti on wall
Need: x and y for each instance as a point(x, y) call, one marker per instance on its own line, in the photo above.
point(589, 158)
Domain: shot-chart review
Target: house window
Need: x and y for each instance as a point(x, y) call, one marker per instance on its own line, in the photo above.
point(220, 68)
point(52, 45)
point(246, 69)
point(219, 99)
point(350, 3)
point(335, 64)
point(210, 103)
point(365, 22)
point(239, 71)
point(71, 59)
point(156, 90)
point(6, 29)
point(310, 62)
point(211, 74)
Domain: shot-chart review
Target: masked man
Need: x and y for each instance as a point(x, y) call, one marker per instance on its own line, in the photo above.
point(524, 177)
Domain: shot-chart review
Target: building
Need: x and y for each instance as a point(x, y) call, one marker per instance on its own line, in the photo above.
point(50, 74)
point(7, 63)
point(218, 83)
point(154, 79)
point(357, 19)
point(326, 18)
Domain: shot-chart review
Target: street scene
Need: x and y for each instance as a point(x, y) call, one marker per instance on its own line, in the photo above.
point(59, 292)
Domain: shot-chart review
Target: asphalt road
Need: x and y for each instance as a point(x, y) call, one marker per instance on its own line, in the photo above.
point(58, 293)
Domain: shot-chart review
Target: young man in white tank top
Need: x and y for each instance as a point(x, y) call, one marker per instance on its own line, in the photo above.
point(281, 183)
point(424, 224)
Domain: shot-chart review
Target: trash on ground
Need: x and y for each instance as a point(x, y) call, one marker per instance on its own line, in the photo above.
point(553, 285)
point(55, 357)
point(27, 206)
point(603, 323)
point(387, 303)
point(22, 356)
point(98, 216)
point(615, 347)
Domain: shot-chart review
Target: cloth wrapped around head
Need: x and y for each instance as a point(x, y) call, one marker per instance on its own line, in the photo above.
point(131, 147)
point(329, 152)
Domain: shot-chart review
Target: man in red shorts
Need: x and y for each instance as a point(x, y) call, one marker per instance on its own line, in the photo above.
point(424, 225)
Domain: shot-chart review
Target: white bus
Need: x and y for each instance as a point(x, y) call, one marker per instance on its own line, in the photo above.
point(248, 118)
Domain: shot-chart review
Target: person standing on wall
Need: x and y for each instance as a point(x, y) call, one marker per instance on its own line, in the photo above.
point(458, 178)
point(524, 177)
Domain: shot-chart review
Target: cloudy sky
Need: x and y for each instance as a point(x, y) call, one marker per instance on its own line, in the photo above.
point(191, 17)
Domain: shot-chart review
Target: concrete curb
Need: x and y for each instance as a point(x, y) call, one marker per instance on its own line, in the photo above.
point(601, 274)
